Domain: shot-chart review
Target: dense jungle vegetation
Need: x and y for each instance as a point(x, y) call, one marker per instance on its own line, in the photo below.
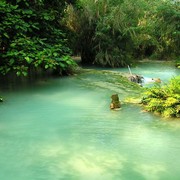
point(116, 33)
point(32, 37)
point(42, 34)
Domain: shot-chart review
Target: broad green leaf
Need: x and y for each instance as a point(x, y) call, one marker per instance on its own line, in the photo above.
point(28, 59)
point(62, 64)
point(55, 54)
point(18, 73)
point(6, 35)
point(24, 73)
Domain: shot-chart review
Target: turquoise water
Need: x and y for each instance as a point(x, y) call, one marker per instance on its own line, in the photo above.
point(62, 128)
point(149, 69)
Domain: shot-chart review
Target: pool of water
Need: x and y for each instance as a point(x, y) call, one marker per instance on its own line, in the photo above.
point(63, 129)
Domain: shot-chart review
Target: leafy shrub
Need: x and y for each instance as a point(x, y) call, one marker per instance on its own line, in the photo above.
point(164, 100)
point(32, 37)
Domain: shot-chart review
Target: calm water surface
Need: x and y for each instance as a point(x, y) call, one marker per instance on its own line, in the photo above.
point(57, 129)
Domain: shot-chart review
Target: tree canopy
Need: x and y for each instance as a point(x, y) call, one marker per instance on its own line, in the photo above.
point(113, 33)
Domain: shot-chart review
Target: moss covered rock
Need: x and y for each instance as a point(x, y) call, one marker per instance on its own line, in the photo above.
point(115, 103)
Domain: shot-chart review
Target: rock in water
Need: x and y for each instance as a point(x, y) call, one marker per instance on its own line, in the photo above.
point(115, 103)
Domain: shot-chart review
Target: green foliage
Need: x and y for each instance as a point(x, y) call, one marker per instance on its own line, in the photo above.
point(178, 65)
point(112, 33)
point(96, 38)
point(32, 37)
point(167, 29)
point(164, 100)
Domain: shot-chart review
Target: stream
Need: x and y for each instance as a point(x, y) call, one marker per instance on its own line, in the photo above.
point(63, 129)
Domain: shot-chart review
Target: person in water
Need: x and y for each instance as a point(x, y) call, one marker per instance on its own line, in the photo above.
point(115, 103)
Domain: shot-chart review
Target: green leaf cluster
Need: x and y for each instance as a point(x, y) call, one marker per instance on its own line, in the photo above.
point(164, 100)
point(31, 36)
